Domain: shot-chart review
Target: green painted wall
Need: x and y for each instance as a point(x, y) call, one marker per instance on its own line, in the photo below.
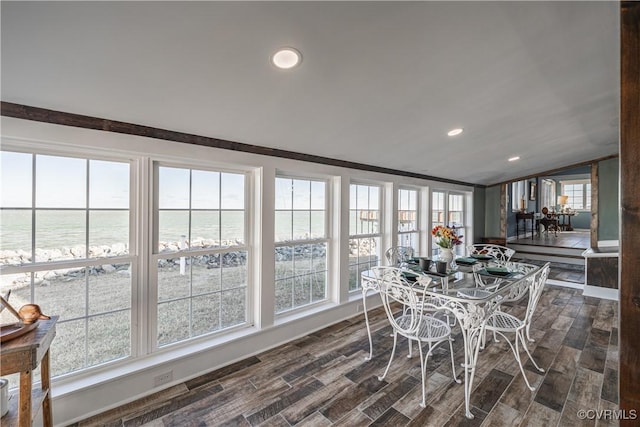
point(608, 202)
point(479, 197)
point(608, 199)
point(492, 209)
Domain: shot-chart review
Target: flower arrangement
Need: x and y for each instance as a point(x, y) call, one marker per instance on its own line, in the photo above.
point(446, 237)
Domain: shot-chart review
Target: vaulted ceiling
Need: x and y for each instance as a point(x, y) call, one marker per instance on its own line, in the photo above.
point(380, 83)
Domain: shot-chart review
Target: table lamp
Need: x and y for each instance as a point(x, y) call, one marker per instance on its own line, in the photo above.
point(562, 201)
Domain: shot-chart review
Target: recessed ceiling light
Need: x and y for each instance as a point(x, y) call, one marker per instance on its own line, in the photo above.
point(454, 132)
point(286, 58)
point(513, 159)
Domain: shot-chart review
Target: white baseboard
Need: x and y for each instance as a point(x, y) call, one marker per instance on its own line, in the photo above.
point(600, 292)
point(588, 290)
point(565, 284)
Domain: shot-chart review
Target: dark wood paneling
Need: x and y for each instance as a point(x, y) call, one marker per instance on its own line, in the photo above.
point(26, 112)
point(594, 205)
point(603, 271)
point(630, 208)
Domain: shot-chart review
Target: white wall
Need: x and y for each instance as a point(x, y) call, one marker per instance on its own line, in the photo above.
point(79, 396)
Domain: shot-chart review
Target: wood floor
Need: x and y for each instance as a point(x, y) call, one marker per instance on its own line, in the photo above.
point(579, 239)
point(323, 379)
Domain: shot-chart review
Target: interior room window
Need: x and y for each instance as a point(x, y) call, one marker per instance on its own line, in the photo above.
point(65, 233)
point(578, 192)
point(519, 195)
point(201, 254)
point(408, 219)
point(301, 242)
point(548, 194)
point(364, 230)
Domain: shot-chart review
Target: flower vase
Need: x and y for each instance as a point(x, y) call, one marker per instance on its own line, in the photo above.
point(446, 255)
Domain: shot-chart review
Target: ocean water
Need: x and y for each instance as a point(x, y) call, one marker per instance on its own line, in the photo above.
point(64, 229)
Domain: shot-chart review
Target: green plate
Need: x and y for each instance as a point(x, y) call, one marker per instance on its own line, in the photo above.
point(466, 261)
point(409, 276)
point(481, 256)
point(497, 271)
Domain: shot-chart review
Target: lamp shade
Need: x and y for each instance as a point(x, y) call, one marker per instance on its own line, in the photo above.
point(562, 200)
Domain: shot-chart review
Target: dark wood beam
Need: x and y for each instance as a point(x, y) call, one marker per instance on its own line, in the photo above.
point(26, 112)
point(595, 218)
point(556, 170)
point(630, 210)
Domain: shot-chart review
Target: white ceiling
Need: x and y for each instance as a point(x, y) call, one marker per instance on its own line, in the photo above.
point(381, 82)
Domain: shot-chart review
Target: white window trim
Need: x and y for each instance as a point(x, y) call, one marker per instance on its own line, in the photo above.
point(155, 255)
point(133, 257)
point(585, 194)
point(381, 225)
point(297, 242)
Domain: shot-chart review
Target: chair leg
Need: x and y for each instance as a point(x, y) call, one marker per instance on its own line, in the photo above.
point(524, 344)
point(516, 352)
point(453, 363)
point(366, 321)
point(528, 334)
point(423, 368)
point(393, 352)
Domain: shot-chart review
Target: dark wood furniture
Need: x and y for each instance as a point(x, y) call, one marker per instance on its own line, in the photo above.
point(524, 216)
point(565, 221)
point(549, 220)
point(23, 355)
point(495, 240)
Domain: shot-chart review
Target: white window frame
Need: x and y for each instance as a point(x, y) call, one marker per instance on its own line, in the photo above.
point(464, 228)
point(416, 217)
point(586, 193)
point(303, 242)
point(156, 255)
point(548, 193)
point(132, 257)
point(362, 236)
point(519, 193)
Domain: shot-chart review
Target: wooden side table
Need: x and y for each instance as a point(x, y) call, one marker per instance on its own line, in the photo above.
point(524, 216)
point(23, 355)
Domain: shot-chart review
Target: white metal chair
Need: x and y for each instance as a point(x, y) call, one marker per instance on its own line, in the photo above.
point(414, 323)
point(372, 283)
point(504, 323)
point(500, 253)
point(397, 255)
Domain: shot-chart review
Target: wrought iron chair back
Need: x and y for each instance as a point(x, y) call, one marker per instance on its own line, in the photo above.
point(414, 323)
point(499, 252)
point(398, 254)
point(503, 323)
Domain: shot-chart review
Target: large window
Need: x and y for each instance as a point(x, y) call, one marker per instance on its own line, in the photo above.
point(448, 208)
point(65, 234)
point(519, 195)
point(408, 218)
point(364, 230)
point(579, 193)
point(200, 256)
point(548, 194)
point(300, 242)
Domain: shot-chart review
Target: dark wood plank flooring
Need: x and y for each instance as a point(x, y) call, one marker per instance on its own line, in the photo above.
point(323, 379)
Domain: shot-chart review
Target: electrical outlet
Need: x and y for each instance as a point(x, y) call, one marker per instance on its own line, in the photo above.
point(158, 380)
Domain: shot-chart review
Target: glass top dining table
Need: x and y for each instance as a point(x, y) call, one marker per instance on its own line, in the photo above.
point(456, 292)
